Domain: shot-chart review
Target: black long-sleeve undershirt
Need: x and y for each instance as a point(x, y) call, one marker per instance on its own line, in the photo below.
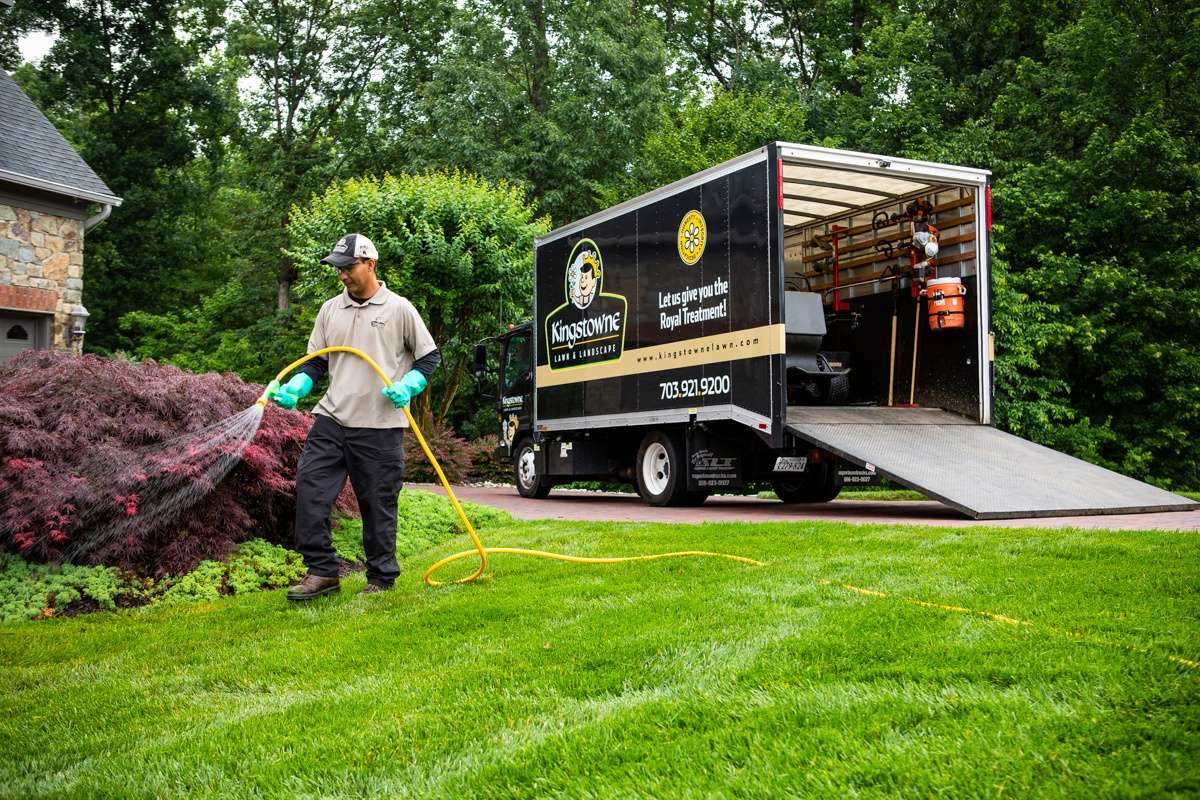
point(427, 363)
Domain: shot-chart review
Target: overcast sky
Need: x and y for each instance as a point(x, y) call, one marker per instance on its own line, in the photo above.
point(35, 45)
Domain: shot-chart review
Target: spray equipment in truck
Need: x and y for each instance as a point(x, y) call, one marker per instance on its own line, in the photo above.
point(480, 551)
point(814, 377)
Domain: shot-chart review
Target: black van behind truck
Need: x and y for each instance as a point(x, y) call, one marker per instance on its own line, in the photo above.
point(799, 315)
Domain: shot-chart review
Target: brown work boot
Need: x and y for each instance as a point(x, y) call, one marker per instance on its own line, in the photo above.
point(374, 588)
point(313, 586)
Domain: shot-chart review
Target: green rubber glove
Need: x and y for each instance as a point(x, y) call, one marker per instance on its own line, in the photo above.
point(405, 389)
point(290, 393)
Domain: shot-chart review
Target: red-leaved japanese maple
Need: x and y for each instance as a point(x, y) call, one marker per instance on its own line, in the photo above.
point(78, 439)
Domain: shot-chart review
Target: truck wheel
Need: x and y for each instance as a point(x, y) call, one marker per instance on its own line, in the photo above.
point(529, 483)
point(661, 470)
point(818, 485)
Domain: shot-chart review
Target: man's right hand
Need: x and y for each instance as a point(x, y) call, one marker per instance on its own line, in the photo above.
point(291, 392)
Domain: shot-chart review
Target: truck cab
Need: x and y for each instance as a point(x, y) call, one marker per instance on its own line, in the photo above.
point(513, 403)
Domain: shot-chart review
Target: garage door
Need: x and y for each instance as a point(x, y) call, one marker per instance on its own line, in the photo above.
point(21, 332)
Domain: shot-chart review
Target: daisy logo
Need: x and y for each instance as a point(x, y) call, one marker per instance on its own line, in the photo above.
point(693, 235)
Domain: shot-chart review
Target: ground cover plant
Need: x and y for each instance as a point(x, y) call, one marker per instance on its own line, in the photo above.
point(32, 591)
point(40, 591)
point(423, 520)
point(873, 661)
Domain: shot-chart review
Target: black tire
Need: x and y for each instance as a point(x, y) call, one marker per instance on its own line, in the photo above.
point(529, 483)
point(661, 470)
point(819, 484)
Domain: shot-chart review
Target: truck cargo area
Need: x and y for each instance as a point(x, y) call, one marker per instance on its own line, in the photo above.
point(983, 472)
point(847, 237)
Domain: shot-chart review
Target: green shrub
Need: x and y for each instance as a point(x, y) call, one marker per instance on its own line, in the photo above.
point(460, 247)
point(484, 465)
point(347, 539)
point(423, 520)
point(228, 331)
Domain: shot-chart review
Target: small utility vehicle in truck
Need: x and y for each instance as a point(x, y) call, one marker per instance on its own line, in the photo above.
point(808, 317)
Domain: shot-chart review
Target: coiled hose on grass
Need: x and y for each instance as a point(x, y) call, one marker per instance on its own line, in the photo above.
point(479, 550)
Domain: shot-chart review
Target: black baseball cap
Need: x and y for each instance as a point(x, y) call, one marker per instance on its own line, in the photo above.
point(350, 248)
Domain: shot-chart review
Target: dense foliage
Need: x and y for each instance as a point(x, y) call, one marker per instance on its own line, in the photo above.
point(1099, 194)
point(423, 520)
point(231, 138)
point(226, 332)
point(68, 423)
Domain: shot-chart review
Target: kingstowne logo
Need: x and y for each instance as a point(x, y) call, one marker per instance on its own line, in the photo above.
point(572, 332)
point(589, 328)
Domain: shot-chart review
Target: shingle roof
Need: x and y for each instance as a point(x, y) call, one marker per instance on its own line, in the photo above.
point(33, 152)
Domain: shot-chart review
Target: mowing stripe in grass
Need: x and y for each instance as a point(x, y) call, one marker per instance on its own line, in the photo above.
point(680, 679)
point(1077, 635)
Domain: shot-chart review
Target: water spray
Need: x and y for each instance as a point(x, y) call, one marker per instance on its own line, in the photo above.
point(480, 551)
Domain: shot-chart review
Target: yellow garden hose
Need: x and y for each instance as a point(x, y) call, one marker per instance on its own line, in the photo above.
point(479, 550)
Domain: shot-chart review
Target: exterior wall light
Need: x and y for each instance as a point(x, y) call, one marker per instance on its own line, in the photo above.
point(78, 328)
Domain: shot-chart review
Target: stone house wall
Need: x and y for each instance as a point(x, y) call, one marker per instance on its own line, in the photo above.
point(41, 264)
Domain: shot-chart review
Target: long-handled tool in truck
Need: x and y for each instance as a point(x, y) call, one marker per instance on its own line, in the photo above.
point(481, 551)
point(892, 351)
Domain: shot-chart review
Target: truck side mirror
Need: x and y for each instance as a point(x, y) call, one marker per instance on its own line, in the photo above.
point(480, 369)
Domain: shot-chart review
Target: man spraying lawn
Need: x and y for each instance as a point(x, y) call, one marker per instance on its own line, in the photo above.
point(357, 431)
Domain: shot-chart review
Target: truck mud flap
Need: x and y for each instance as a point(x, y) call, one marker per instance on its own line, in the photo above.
point(983, 472)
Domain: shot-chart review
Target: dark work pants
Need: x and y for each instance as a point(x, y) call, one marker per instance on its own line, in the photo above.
point(374, 460)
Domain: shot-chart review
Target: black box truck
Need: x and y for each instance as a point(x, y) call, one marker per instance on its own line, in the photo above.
point(803, 316)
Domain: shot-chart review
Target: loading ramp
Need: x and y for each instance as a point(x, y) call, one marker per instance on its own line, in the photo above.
point(983, 472)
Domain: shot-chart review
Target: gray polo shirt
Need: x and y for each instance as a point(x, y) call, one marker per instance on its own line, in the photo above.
point(388, 329)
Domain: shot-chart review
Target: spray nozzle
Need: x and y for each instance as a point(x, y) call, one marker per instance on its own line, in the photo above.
point(268, 393)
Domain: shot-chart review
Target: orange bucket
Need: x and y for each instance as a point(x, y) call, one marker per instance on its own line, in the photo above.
point(946, 307)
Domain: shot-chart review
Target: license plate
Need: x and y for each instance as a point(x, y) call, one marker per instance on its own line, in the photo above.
point(791, 463)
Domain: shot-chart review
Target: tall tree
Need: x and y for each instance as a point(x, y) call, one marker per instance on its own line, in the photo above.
point(306, 106)
point(1097, 142)
point(702, 133)
point(554, 94)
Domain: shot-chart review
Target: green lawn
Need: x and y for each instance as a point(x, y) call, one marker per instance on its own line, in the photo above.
point(686, 678)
